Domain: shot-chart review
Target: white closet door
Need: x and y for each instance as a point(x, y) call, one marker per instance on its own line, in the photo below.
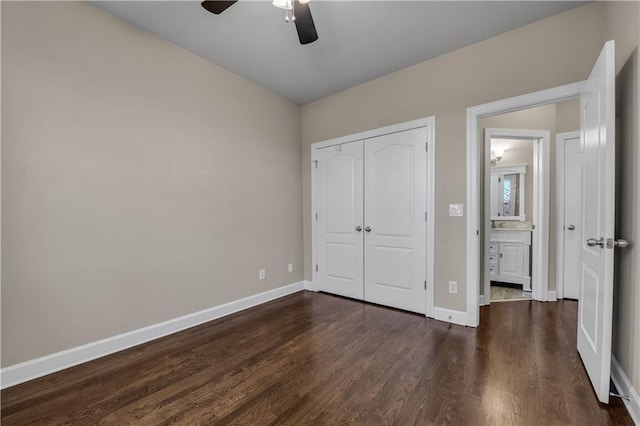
point(395, 226)
point(340, 244)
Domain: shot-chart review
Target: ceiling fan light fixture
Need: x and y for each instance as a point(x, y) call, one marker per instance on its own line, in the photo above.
point(287, 4)
point(298, 13)
point(283, 4)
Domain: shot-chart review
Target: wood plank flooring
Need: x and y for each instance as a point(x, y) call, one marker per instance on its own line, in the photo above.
point(312, 358)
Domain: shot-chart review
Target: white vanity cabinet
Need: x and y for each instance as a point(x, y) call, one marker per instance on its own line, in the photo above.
point(509, 257)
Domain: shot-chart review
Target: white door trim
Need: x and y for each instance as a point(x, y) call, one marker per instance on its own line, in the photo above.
point(540, 220)
point(561, 138)
point(430, 124)
point(474, 158)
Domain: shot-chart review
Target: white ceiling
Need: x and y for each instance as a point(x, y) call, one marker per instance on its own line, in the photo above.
point(358, 40)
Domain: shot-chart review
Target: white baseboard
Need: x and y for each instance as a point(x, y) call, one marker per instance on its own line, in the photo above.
point(32, 369)
point(308, 285)
point(552, 296)
point(625, 387)
point(449, 315)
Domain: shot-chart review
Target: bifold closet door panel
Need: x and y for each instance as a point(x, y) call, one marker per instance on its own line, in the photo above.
point(395, 168)
point(340, 204)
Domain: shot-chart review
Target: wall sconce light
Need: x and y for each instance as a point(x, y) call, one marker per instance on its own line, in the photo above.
point(497, 153)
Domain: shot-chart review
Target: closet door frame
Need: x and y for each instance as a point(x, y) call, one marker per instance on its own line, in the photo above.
point(430, 146)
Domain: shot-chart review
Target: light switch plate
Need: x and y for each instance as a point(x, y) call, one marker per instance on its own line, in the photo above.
point(456, 210)
point(453, 287)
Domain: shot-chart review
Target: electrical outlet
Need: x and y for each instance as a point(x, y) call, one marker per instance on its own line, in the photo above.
point(262, 274)
point(290, 267)
point(453, 287)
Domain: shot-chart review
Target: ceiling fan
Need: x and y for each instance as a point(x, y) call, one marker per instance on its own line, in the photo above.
point(297, 11)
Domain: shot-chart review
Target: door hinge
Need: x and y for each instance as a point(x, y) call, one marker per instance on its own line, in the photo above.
point(477, 232)
point(316, 217)
point(425, 216)
point(315, 162)
point(426, 146)
point(425, 284)
point(316, 268)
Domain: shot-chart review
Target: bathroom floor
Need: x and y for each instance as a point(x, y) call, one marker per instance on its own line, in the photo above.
point(502, 293)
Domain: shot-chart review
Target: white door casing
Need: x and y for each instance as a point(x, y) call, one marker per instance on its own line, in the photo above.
point(340, 203)
point(572, 226)
point(395, 222)
point(595, 304)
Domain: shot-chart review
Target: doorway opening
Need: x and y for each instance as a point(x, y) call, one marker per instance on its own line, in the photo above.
point(485, 116)
point(522, 172)
point(516, 209)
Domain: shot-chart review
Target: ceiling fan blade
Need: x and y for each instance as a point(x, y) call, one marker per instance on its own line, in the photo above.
point(304, 23)
point(217, 6)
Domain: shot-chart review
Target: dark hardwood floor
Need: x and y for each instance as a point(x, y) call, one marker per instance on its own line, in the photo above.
point(318, 359)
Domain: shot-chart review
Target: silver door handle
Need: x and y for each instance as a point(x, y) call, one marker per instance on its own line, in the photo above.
point(571, 227)
point(592, 242)
point(358, 228)
point(367, 228)
point(621, 243)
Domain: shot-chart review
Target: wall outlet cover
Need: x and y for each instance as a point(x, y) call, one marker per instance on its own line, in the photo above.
point(456, 210)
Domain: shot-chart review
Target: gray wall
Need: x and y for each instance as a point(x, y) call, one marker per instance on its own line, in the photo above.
point(139, 181)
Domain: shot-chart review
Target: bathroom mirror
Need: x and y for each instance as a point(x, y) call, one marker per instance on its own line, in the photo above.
point(507, 193)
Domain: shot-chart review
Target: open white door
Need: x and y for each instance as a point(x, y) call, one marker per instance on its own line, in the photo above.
point(595, 305)
point(340, 202)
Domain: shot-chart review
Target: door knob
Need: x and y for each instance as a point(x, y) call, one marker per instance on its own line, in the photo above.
point(571, 227)
point(358, 228)
point(368, 229)
point(621, 243)
point(592, 242)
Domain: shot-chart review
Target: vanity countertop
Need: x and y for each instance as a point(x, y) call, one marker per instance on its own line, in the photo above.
point(503, 225)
